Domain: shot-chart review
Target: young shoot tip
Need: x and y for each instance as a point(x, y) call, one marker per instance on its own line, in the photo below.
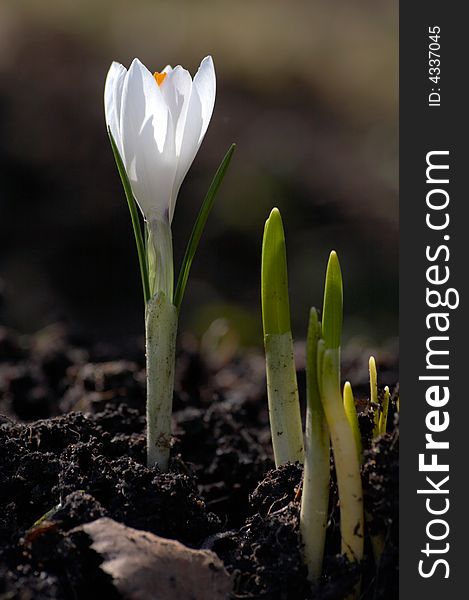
point(333, 303)
point(352, 417)
point(275, 214)
point(314, 324)
point(374, 395)
point(383, 420)
point(274, 277)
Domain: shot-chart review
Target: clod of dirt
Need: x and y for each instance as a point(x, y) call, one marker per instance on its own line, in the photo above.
point(143, 565)
point(279, 487)
point(223, 444)
point(100, 459)
point(265, 555)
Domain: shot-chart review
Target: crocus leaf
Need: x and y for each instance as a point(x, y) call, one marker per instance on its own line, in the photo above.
point(135, 218)
point(199, 226)
point(333, 304)
point(312, 379)
point(274, 277)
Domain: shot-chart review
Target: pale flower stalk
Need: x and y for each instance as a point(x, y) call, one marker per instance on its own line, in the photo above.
point(158, 122)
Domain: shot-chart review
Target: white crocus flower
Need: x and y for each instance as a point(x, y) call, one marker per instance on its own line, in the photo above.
point(158, 123)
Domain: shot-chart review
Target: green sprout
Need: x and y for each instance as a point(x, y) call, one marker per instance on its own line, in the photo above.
point(333, 308)
point(282, 388)
point(380, 410)
point(383, 420)
point(329, 416)
point(274, 277)
point(343, 441)
point(315, 497)
point(352, 417)
point(374, 395)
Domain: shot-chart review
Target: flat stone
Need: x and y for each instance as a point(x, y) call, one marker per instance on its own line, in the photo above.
point(144, 565)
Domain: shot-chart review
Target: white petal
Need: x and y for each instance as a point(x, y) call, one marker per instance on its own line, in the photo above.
point(198, 117)
point(176, 90)
point(113, 99)
point(142, 99)
point(147, 141)
point(205, 83)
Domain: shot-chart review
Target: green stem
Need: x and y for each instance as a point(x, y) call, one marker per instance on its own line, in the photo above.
point(160, 257)
point(160, 333)
point(315, 497)
point(345, 459)
point(282, 394)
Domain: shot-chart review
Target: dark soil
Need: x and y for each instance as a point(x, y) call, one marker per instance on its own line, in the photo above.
point(72, 449)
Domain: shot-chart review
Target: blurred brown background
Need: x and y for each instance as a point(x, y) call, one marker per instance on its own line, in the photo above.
point(308, 91)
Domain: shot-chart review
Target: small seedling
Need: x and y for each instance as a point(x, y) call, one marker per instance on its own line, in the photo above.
point(343, 442)
point(380, 410)
point(329, 416)
point(383, 420)
point(315, 497)
point(352, 417)
point(282, 388)
point(156, 124)
point(374, 395)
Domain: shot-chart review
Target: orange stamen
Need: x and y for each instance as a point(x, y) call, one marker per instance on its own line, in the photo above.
point(159, 77)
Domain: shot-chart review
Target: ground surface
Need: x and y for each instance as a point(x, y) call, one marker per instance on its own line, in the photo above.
point(72, 445)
